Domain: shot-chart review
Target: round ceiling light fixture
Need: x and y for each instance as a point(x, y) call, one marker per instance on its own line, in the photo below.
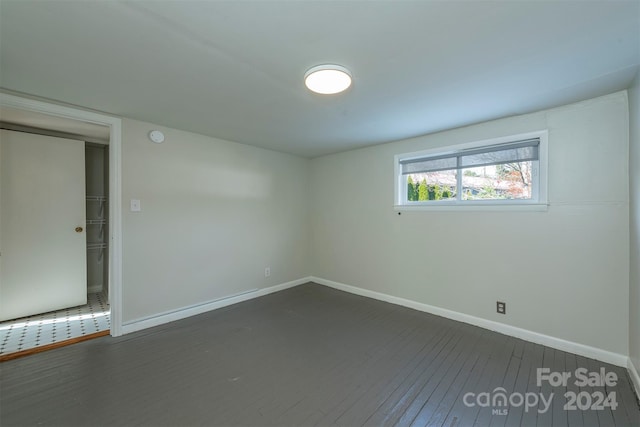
point(327, 79)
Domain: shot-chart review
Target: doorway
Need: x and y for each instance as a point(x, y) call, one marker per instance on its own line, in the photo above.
point(44, 112)
point(54, 237)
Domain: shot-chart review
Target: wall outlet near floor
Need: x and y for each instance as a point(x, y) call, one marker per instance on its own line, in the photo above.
point(267, 272)
point(501, 307)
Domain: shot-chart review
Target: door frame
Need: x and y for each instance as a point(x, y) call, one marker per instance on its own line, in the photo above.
point(115, 186)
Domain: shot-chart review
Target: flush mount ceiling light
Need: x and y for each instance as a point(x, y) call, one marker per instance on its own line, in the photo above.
point(327, 79)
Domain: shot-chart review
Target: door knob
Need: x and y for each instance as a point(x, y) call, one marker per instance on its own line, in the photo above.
point(78, 229)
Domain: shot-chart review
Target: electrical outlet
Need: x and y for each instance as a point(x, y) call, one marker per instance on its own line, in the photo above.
point(501, 307)
point(267, 272)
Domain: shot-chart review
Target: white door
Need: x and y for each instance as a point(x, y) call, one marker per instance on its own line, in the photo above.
point(42, 221)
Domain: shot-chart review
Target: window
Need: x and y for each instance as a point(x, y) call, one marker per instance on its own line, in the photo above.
point(504, 171)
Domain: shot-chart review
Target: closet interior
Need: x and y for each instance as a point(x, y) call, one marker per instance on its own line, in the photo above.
point(97, 224)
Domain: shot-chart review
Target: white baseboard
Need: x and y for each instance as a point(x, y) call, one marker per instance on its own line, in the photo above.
point(549, 341)
point(635, 378)
point(182, 313)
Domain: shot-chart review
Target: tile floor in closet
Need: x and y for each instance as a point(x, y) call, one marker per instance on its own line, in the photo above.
point(56, 326)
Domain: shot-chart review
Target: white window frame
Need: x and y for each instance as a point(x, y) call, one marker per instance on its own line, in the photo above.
point(538, 201)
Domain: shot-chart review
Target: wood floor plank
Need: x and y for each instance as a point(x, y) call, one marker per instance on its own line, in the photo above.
point(438, 412)
point(390, 408)
point(452, 381)
point(508, 383)
point(332, 404)
point(495, 380)
point(545, 418)
point(383, 362)
point(500, 346)
point(306, 356)
point(625, 394)
point(439, 380)
point(619, 416)
point(574, 418)
point(386, 368)
point(536, 357)
point(404, 334)
point(589, 417)
point(384, 387)
point(460, 407)
point(605, 416)
point(405, 410)
point(559, 414)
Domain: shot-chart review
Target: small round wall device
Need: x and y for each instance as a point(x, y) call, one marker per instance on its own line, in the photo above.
point(156, 136)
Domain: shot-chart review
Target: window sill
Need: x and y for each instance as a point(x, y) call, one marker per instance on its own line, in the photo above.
point(528, 207)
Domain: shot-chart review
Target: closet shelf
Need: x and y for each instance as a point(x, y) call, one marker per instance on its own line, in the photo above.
point(96, 221)
point(97, 245)
point(96, 199)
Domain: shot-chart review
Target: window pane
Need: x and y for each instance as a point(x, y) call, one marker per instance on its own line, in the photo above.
point(506, 181)
point(422, 187)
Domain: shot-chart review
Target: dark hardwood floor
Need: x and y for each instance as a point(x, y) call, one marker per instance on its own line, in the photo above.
point(306, 356)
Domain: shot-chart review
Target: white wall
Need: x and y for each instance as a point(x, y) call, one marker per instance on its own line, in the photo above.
point(634, 222)
point(214, 215)
point(563, 273)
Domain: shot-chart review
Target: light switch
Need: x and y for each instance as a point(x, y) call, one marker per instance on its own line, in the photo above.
point(135, 205)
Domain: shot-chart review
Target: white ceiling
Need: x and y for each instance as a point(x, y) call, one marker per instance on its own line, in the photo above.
point(234, 69)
